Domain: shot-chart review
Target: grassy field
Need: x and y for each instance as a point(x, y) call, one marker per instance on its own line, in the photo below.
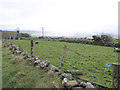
point(0, 63)
point(17, 73)
point(92, 58)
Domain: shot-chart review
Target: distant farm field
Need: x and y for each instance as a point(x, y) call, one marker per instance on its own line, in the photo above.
point(92, 58)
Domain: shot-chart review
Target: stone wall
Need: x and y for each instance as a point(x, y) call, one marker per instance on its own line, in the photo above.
point(69, 78)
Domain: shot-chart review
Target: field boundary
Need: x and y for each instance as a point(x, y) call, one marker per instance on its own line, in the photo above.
point(62, 62)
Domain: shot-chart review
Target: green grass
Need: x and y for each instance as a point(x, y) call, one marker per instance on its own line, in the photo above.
point(0, 63)
point(22, 75)
point(93, 63)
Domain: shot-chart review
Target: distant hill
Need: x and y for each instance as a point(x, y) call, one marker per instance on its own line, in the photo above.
point(37, 33)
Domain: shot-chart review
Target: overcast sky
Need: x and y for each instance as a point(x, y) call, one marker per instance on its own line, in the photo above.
point(63, 17)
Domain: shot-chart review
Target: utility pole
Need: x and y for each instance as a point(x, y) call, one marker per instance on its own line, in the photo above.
point(42, 32)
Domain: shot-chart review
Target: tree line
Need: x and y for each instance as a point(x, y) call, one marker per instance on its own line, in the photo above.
point(102, 40)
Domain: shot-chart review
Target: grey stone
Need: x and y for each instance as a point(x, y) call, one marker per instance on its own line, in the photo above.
point(89, 85)
point(64, 81)
point(71, 84)
point(9, 44)
point(77, 72)
point(82, 84)
point(37, 58)
point(31, 59)
point(24, 53)
point(17, 52)
point(67, 75)
point(44, 64)
point(36, 62)
point(13, 46)
point(29, 56)
point(53, 68)
point(16, 48)
point(79, 81)
point(77, 88)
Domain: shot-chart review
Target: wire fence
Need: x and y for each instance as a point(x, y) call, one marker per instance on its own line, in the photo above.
point(82, 63)
point(87, 64)
point(74, 63)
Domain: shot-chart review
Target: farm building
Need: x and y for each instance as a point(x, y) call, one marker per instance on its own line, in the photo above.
point(9, 34)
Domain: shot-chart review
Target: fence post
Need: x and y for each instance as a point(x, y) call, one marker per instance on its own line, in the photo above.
point(18, 36)
point(32, 48)
point(116, 75)
point(19, 43)
point(63, 56)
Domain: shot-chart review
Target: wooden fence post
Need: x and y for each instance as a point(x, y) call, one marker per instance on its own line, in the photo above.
point(19, 43)
point(18, 36)
point(63, 56)
point(32, 48)
point(116, 75)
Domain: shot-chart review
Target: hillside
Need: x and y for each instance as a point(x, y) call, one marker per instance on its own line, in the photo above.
point(17, 73)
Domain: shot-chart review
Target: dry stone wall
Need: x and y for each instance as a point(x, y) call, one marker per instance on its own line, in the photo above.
point(68, 80)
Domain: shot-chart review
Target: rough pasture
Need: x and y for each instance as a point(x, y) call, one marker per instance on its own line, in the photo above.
point(16, 73)
point(92, 58)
